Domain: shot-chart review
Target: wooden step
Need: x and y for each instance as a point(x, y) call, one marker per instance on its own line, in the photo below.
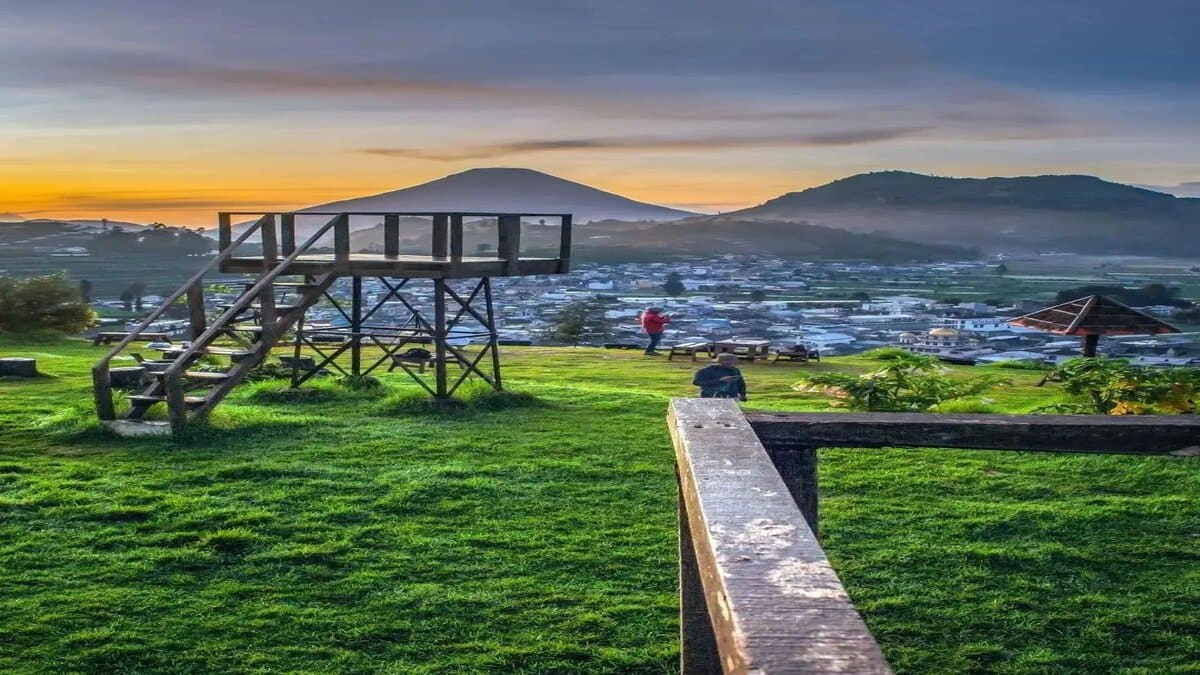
point(200, 376)
point(256, 306)
point(144, 400)
point(284, 284)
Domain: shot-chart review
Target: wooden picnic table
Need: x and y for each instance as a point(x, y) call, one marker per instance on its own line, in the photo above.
point(108, 337)
point(743, 348)
point(690, 349)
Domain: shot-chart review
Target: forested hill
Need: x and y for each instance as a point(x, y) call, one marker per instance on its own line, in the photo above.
point(1074, 213)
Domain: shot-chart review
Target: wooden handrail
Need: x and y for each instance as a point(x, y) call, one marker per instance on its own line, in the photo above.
point(100, 376)
point(757, 594)
point(246, 298)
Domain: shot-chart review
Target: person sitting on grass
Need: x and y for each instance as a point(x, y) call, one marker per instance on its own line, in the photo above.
point(721, 379)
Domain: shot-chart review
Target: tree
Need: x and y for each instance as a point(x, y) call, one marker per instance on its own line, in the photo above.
point(85, 290)
point(758, 295)
point(137, 289)
point(581, 321)
point(127, 300)
point(673, 285)
point(861, 296)
point(906, 383)
point(1000, 270)
point(48, 302)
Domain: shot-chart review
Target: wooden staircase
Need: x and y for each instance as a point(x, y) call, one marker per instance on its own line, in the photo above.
point(186, 388)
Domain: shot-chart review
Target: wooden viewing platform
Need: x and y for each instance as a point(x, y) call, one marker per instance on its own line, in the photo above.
point(304, 272)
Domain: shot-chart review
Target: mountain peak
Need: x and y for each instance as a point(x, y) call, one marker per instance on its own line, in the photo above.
point(509, 189)
point(11, 218)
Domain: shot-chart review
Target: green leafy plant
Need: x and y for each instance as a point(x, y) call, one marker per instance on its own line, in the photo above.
point(1114, 387)
point(44, 303)
point(907, 382)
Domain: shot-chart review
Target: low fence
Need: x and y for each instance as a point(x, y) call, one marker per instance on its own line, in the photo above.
point(757, 594)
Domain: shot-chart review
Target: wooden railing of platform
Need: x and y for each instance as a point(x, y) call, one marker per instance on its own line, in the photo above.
point(757, 594)
point(446, 235)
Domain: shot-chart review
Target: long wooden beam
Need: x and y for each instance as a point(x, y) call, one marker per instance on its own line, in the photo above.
point(773, 601)
point(1126, 435)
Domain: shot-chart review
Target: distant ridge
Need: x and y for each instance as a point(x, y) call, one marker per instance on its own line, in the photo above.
point(1067, 212)
point(10, 218)
point(513, 190)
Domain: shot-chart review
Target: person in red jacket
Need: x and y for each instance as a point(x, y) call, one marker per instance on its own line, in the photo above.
point(654, 322)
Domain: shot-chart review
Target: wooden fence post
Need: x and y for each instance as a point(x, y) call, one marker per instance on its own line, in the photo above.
point(698, 653)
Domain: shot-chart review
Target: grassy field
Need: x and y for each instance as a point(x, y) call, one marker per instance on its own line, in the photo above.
point(353, 532)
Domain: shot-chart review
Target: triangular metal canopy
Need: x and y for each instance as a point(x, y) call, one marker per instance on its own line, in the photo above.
point(1093, 315)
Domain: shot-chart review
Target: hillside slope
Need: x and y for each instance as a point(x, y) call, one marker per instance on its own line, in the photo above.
point(1077, 213)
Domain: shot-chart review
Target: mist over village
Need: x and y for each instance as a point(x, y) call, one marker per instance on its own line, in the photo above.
point(600, 337)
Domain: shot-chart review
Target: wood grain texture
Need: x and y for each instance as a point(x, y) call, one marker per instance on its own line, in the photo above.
point(774, 601)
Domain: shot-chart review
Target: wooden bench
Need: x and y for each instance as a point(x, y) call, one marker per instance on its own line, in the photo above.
point(691, 349)
point(421, 361)
point(801, 354)
point(109, 337)
point(744, 348)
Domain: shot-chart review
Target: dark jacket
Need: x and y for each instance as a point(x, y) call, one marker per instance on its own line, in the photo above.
point(708, 379)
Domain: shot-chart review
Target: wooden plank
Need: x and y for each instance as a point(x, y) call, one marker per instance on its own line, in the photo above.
point(197, 320)
point(224, 231)
point(456, 238)
point(441, 241)
point(1130, 435)
point(391, 235)
point(287, 233)
point(775, 603)
point(270, 243)
point(341, 243)
point(564, 246)
point(509, 246)
point(698, 651)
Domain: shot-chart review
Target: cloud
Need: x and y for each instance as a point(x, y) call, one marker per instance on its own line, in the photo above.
point(153, 73)
point(132, 201)
point(698, 143)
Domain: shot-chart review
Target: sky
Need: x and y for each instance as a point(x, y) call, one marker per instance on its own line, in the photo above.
point(170, 111)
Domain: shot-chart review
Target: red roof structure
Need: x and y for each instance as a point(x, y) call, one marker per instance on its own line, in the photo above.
point(1091, 317)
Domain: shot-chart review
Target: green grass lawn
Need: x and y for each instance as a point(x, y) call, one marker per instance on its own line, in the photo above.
point(354, 533)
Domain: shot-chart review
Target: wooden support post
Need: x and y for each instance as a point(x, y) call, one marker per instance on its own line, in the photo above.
point(224, 231)
point(698, 653)
point(493, 339)
point(440, 236)
point(176, 407)
point(509, 245)
point(287, 233)
point(797, 467)
point(456, 238)
point(564, 246)
point(341, 242)
point(102, 388)
point(1090, 343)
point(270, 242)
point(391, 235)
point(439, 337)
point(198, 322)
point(356, 326)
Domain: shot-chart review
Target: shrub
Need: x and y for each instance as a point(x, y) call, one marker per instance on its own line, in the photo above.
point(1113, 387)
point(906, 383)
point(44, 303)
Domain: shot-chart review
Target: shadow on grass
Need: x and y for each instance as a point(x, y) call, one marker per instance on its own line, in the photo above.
point(474, 401)
point(317, 391)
